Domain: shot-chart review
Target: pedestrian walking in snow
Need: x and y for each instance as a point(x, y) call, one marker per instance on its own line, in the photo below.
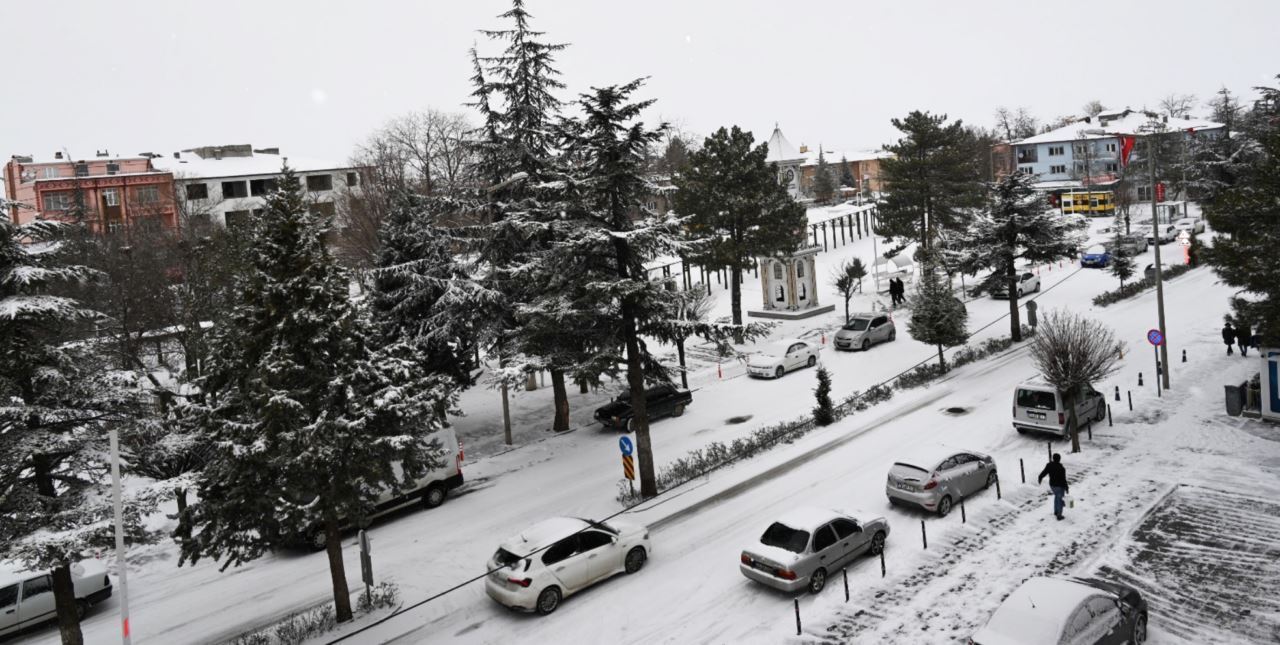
point(1229, 336)
point(893, 291)
point(1057, 482)
point(1031, 314)
point(1244, 337)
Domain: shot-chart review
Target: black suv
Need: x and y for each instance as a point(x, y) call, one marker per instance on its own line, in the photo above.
point(660, 400)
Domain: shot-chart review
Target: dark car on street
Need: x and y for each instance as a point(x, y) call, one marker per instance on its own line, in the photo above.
point(660, 400)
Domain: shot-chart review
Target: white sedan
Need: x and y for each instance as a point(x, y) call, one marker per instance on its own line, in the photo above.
point(556, 558)
point(1193, 224)
point(782, 357)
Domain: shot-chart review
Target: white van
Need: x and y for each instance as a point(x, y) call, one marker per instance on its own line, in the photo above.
point(429, 491)
point(26, 597)
point(1037, 407)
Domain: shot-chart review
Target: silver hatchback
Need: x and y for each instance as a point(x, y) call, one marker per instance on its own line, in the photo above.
point(864, 330)
point(939, 479)
point(806, 545)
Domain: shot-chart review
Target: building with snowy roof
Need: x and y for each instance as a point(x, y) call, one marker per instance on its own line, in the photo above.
point(229, 184)
point(109, 192)
point(797, 167)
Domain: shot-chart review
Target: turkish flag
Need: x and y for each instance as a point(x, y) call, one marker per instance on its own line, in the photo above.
point(1126, 149)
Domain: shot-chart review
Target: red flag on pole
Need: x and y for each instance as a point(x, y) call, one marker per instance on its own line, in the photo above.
point(1126, 148)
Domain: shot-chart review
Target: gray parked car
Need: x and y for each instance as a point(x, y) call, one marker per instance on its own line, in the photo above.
point(939, 478)
point(805, 545)
point(864, 330)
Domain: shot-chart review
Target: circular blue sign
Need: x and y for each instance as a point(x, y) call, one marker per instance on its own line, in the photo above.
point(1155, 337)
point(624, 443)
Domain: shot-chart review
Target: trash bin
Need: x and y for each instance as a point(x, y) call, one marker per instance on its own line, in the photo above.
point(1235, 400)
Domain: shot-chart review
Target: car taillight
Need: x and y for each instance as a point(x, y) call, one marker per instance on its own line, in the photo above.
point(461, 452)
point(1061, 418)
point(523, 582)
point(746, 559)
point(786, 574)
point(933, 483)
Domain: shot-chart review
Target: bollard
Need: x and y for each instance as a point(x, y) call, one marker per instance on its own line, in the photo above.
point(1184, 356)
point(719, 371)
point(998, 495)
point(1139, 379)
point(924, 537)
point(1050, 448)
point(882, 569)
point(1109, 423)
point(1130, 393)
point(824, 337)
point(797, 601)
point(1117, 392)
point(1022, 470)
point(846, 584)
point(963, 518)
point(1090, 428)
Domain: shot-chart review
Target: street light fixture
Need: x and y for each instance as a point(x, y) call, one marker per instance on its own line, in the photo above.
point(1155, 234)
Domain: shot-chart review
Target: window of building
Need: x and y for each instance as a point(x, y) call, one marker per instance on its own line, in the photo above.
point(111, 197)
point(1081, 149)
point(147, 194)
point(323, 209)
point(82, 170)
point(112, 167)
point(1111, 147)
point(50, 172)
point(353, 180)
point(197, 191)
point(800, 269)
point(1113, 167)
point(1144, 193)
point(260, 187)
point(1057, 170)
point(237, 219)
point(318, 183)
point(257, 212)
point(1026, 170)
point(1057, 151)
point(234, 189)
point(60, 201)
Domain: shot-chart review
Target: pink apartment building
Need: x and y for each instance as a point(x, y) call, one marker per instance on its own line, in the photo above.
point(115, 192)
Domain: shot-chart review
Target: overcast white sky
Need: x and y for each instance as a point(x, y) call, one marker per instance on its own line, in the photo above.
point(315, 77)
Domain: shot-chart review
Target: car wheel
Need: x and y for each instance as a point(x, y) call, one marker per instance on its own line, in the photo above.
point(991, 479)
point(1037, 289)
point(877, 543)
point(1140, 629)
point(677, 411)
point(316, 539)
point(944, 505)
point(82, 608)
point(893, 335)
point(629, 425)
point(1019, 292)
point(1101, 414)
point(893, 501)
point(779, 372)
point(813, 360)
point(866, 344)
point(548, 600)
point(635, 559)
point(434, 496)
point(817, 581)
point(1021, 430)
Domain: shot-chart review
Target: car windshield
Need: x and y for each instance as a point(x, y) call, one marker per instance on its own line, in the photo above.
point(857, 324)
point(1096, 249)
point(1037, 399)
point(505, 558)
point(777, 349)
point(785, 537)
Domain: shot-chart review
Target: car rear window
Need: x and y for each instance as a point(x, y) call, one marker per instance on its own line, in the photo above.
point(505, 558)
point(1096, 249)
point(857, 324)
point(1036, 399)
point(785, 537)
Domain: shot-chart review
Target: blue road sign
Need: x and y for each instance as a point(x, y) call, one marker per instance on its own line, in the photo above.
point(625, 444)
point(1155, 337)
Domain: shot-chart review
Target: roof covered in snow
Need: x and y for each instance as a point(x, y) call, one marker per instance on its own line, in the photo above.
point(544, 534)
point(1036, 612)
point(190, 166)
point(1132, 123)
point(807, 518)
point(780, 149)
point(834, 156)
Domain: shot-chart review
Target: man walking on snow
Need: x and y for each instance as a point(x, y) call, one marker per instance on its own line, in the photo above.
point(1229, 336)
point(1057, 482)
point(1244, 337)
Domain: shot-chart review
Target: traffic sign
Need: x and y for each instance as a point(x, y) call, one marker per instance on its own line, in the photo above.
point(628, 467)
point(624, 443)
point(1155, 337)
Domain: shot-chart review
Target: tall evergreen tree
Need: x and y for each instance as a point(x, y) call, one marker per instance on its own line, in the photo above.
point(846, 175)
point(1015, 227)
point(824, 185)
point(823, 410)
point(938, 317)
point(308, 418)
point(736, 204)
point(932, 179)
point(58, 401)
point(1122, 265)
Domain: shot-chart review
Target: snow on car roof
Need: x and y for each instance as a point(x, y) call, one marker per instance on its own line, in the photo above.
point(12, 573)
point(1037, 611)
point(929, 455)
point(780, 346)
point(807, 518)
point(544, 534)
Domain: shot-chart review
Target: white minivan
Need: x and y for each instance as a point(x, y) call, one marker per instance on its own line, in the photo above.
point(430, 490)
point(1038, 407)
point(26, 597)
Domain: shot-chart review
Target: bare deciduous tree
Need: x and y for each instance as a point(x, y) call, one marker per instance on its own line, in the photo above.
point(1093, 108)
point(1015, 124)
point(1178, 105)
point(847, 278)
point(1073, 353)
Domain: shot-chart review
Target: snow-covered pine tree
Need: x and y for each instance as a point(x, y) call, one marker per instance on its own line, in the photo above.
point(736, 205)
point(933, 180)
point(846, 175)
point(1122, 265)
point(307, 417)
point(824, 184)
point(823, 411)
point(1015, 227)
point(938, 317)
point(58, 401)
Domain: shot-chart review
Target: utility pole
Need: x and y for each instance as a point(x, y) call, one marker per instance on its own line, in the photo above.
point(122, 566)
point(1155, 232)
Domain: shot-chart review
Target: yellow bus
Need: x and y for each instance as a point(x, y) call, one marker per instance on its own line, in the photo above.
point(1096, 202)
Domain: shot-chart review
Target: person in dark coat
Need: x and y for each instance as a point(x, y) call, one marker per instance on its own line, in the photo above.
point(1057, 475)
point(1229, 336)
point(1244, 337)
point(893, 291)
point(902, 291)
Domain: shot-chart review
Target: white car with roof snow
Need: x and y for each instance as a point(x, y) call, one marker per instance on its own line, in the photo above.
point(1067, 611)
point(781, 357)
point(558, 557)
point(806, 545)
point(936, 478)
point(1193, 225)
point(26, 597)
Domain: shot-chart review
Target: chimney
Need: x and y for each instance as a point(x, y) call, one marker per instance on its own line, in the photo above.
point(177, 155)
point(217, 153)
point(57, 155)
point(102, 153)
point(803, 148)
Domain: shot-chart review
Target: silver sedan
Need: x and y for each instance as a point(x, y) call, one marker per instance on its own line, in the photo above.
point(806, 545)
point(939, 479)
